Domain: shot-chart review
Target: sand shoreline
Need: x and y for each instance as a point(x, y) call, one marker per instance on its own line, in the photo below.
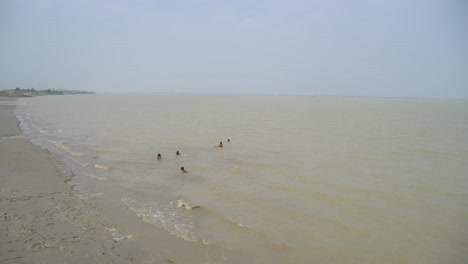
point(42, 219)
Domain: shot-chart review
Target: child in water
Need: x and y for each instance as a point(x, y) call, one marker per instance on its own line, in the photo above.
point(183, 170)
point(159, 156)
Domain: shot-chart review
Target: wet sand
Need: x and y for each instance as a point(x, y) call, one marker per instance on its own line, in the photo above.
point(42, 220)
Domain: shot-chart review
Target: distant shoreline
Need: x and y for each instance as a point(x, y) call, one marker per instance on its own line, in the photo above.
point(17, 93)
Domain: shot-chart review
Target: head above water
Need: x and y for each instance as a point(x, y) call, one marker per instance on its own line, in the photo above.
point(177, 153)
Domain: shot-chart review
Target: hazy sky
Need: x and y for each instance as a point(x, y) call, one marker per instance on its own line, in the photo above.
point(407, 48)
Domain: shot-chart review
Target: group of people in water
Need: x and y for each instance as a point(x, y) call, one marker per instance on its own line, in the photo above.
point(159, 157)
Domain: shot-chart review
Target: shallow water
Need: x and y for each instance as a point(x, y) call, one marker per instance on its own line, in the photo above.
point(303, 180)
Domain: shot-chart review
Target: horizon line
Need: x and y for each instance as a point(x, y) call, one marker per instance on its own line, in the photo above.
point(285, 95)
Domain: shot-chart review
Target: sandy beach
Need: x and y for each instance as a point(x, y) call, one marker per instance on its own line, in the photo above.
point(42, 219)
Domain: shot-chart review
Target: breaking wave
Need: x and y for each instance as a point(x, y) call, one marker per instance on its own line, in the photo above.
point(165, 216)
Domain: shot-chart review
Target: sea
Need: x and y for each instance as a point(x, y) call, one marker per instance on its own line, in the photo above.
point(299, 179)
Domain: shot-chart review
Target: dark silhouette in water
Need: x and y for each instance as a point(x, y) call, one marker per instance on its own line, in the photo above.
point(220, 144)
point(177, 153)
point(159, 156)
point(183, 170)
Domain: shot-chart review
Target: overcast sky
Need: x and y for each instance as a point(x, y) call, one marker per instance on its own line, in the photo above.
point(407, 48)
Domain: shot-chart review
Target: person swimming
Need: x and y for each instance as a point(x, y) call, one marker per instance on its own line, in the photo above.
point(220, 144)
point(177, 153)
point(183, 170)
point(159, 156)
point(229, 140)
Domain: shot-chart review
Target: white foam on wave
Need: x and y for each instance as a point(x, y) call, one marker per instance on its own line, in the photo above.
point(78, 154)
point(183, 204)
point(99, 166)
point(94, 176)
point(23, 125)
point(67, 149)
point(165, 216)
point(87, 196)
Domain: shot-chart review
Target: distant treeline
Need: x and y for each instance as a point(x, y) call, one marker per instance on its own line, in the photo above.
point(18, 92)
